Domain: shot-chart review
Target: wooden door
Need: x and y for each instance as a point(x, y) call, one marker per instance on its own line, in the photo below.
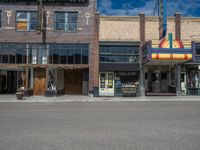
point(39, 81)
point(73, 81)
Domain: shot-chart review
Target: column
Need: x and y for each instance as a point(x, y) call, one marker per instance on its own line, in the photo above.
point(178, 81)
point(142, 42)
point(27, 62)
point(47, 76)
point(178, 26)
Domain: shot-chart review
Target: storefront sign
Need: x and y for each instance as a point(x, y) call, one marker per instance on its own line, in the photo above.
point(124, 73)
point(129, 91)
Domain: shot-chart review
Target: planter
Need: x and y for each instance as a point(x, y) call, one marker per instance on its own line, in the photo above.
point(19, 96)
point(28, 93)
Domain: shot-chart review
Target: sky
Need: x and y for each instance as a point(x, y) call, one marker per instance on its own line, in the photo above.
point(134, 7)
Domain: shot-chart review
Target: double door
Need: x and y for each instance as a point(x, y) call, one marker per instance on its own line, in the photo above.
point(39, 81)
point(106, 84)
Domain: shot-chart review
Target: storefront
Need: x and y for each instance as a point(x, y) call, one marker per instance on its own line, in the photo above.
point(119, 83)
point(67, 81)
point(192, 79)
point(165, 70)
point(11, 79)
point(119, 69)
point(44, 69)
point(160, 79)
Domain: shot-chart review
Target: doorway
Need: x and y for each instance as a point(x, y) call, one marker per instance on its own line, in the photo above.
point(39, 86)
point(106, 84)
point(73, 81)
point(12, 81)
point(183, 83)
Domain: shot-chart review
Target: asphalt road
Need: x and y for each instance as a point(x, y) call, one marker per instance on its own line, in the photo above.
point(100, 126)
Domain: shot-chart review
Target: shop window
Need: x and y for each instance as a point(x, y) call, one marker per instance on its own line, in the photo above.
point(13, 53)
point(85, 55)
point(68, 54)
point(33, 54)
point(26, 21)
point(51, 56)
point(56, 56)
point(42, 59)
point(66, 21)
point(5, 53)
point(194, 78)
point(198, 50)
point(103, 80)
point(21, 54)
point(77, 55)
point(110, 80)
point(63, 56)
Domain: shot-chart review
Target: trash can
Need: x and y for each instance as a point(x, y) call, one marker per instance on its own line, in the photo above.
point(96, 91)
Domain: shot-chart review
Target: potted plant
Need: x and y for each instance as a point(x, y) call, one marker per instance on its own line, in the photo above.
point(19, 93)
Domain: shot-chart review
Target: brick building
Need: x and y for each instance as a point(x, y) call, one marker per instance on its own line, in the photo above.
point(48, 46)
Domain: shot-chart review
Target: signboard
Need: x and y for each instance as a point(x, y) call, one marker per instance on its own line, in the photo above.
point(171, 50)
point(129, 91)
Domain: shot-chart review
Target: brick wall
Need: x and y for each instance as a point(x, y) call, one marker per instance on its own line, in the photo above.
point(127, 28)
point(119, 29)
point(84, 34)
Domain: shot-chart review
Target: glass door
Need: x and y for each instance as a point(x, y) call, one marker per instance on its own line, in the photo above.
point(183, 83)
point(106, 84)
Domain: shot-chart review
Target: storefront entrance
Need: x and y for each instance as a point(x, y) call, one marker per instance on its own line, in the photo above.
point(106, 84)
point(183, 83)
point(12, 81)
point(73, 81)
point(39, 81)
point(160, 81)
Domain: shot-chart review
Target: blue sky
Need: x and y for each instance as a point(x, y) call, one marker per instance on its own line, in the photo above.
point(133, 7)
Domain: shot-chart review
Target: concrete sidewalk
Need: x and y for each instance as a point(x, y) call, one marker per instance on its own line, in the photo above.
point(80, 98)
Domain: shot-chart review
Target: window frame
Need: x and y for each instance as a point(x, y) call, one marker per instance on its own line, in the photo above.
point(119, 54)
point(28, 19)
point(66, 21)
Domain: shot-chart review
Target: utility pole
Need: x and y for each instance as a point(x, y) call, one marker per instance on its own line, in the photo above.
point(162, 10)
point(41, 21)
point(39, 16)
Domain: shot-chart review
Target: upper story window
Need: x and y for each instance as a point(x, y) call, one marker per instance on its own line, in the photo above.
point(119, 54)
point(66, 21)
point(26, 21)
